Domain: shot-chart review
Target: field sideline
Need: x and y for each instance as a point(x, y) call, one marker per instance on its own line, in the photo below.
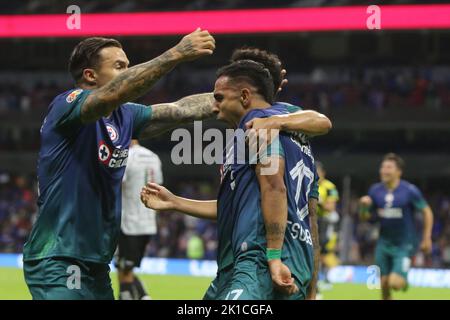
point(192, 288)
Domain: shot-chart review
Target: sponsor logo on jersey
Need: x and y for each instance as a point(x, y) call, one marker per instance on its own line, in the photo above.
point(113, 133)
point(73, 95)
point(299, 233)
point(112, 157)
point(391, 213)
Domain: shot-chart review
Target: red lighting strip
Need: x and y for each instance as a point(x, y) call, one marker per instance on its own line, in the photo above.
point(227, 21)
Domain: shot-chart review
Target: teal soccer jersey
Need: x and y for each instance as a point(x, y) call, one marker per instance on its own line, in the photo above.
point(80, 170)
point(395, 209)
point(240, 219)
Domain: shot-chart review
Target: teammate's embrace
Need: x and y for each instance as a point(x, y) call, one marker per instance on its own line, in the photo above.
point(393, 202)
point(265, 245)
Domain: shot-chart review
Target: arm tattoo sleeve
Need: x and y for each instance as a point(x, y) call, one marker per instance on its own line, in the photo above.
point(166, 116)
point(128, 86)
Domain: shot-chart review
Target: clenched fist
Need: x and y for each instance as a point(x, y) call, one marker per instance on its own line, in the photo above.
point(195, 45)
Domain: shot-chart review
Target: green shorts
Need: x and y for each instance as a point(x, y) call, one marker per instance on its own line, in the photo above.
point(251, 280)
point(59, 278)
point(393, 259)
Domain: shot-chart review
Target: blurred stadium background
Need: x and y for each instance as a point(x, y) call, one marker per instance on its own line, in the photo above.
point(384, 90)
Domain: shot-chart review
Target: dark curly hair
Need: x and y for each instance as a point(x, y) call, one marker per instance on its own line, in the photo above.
point(268, 59)
point(251, 72)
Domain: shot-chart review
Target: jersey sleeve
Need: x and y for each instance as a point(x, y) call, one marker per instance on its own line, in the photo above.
point(141, 116)
point(314, 192)
point(417, 198)
point(66, 110)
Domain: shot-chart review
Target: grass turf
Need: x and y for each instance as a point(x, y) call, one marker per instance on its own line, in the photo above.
point(13, 287)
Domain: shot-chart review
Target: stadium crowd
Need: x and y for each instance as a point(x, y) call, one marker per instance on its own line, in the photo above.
point(180, 236)
point(330, 89)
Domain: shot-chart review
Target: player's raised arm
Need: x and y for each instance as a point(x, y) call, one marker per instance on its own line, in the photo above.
point(157, 197)
point(137, 80)
point(275, 212)
point(166, 116)
point(309, 122)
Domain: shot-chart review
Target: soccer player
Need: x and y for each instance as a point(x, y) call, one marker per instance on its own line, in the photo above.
point(85, 139)
point(138, 223)
point(328, 219)
point(393, 202)
point(255, 209)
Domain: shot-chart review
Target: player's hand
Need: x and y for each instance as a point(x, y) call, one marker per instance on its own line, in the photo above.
point(284, 81)
point(195, 45)
point(282, 278)
point(157, 197)
point(426, 245)
point(261, 132)
point(365, 201)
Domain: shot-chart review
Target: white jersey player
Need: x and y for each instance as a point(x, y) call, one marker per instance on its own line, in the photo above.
point(138, 222)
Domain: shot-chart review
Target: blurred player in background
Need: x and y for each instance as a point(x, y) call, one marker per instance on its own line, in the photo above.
point(85, 139)
point(328, 220)
point(250, 221)
point(393, 202)
point(138, 222)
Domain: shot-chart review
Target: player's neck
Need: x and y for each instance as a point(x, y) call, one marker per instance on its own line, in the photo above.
point(392, 185)
point(258, 104)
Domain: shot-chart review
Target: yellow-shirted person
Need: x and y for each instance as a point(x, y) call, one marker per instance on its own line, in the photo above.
point(328, 219)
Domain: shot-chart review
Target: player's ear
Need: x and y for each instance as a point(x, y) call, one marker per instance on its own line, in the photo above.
point(245, 97)
point(90, 76)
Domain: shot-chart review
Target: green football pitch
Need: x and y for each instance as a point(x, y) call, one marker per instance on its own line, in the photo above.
point(12, 286)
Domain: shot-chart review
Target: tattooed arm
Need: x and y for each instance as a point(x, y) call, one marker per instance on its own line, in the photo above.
point(136, 81)
point(166, 116)
point(275, 212)
point(312, 207)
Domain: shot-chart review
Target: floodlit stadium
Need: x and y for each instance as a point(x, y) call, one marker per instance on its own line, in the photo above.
point(122, 123)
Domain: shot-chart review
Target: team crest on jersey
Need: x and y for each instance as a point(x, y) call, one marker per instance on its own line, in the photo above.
point(104, 153)
point(389, 199)
point(112, 157)
point(113, 133)
point(73, 95)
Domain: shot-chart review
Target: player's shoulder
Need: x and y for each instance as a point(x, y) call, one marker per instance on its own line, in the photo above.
point(288, 107)
point(409, 186)
point(328, 184)
point(68, 96)
point(376, 187)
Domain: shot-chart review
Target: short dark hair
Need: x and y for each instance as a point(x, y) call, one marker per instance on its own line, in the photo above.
point(86, 55)
point(251, 72)
point(396, 158)
point(270, 60)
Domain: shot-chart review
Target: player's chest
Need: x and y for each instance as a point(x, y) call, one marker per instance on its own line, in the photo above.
point(391, 205)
